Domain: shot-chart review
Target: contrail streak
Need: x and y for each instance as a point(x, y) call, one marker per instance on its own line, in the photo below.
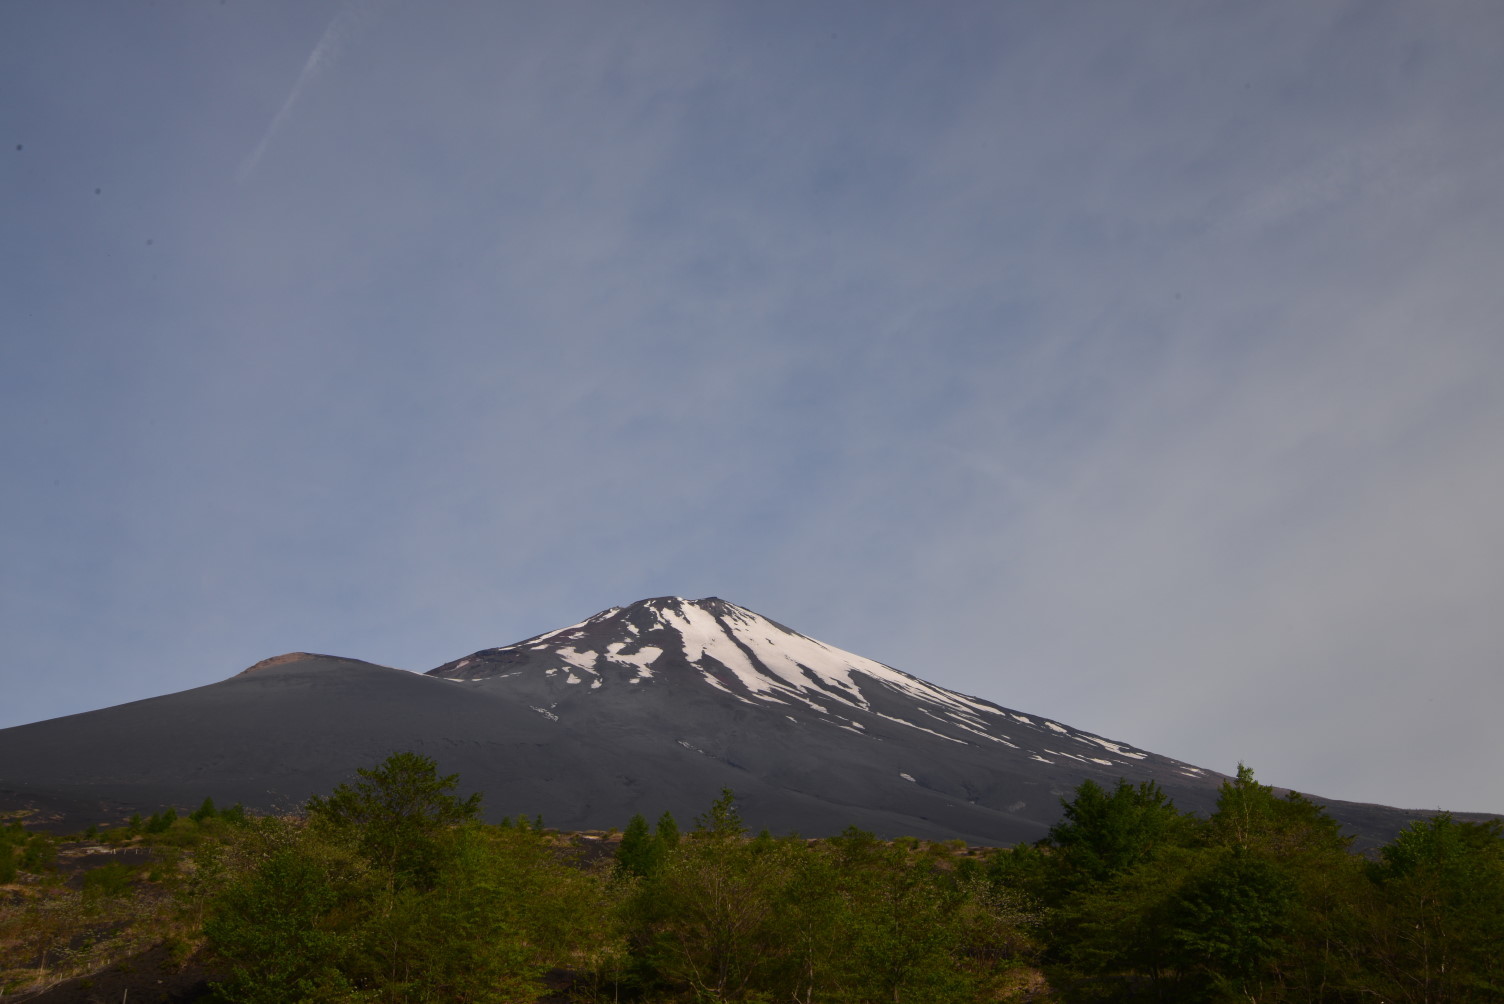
point(322, 56)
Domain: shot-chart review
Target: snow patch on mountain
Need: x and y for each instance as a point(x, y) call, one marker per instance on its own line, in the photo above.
point(761, 663)
point(643, 658)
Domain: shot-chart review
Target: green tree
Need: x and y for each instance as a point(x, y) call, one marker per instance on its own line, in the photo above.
point(667, 831)
point(639, 852)
point(1105, 833)
point(903, 921)
point(108, 880)
point(1278, 856)
point(285, 931)
point(1442, 883)
point(504, 910)
point(12, 838)
point(1230, 918)
point(721, 821)
point(393, 893)
point(1251, 815)
point(1115, 939)
point(162, 821)
point(395, 813)
point(724, 917)
point(38, 854)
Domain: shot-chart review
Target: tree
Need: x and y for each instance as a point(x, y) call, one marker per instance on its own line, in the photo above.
point(1103, 834)
point(1442, 881)
point(393, 893)
point(904, 922)
point(1230, 920)
point(1119, 933)
point(713, 915)
point(640, 851)
point(12, 838)
point(279, 931)
point(162, 821)
point(1249, 815)
point(395, 813)
point(667, 830)
point(721, 821)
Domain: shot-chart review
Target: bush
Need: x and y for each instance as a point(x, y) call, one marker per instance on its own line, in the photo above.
point(392, 893)
point(113, 879)
point(162, 821)
point(39, 854)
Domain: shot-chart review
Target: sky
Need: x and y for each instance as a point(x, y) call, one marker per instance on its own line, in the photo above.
point(1136, 365)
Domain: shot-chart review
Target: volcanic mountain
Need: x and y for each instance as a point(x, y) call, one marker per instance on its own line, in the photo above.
point(645, 708)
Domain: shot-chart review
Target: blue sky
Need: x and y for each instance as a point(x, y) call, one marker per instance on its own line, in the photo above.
point(1138, 365)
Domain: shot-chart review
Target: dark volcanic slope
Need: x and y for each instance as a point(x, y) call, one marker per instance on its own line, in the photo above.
point(787, 721)
point(652, 707)
point(270, 737)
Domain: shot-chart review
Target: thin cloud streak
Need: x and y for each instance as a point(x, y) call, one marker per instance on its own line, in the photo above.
point(324, 55)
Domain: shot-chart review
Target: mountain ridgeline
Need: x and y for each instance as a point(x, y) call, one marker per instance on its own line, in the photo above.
point(656, 706)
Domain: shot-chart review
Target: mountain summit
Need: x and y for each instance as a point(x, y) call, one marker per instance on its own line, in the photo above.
point(652, 707)
point(671, 642)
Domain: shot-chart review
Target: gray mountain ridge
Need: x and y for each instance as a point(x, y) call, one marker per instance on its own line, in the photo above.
point(652, 707)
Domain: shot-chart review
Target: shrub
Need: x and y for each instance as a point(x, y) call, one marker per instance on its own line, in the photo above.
point(113, 879)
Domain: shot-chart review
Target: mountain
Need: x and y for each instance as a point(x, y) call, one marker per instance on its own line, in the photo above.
point(645, 708)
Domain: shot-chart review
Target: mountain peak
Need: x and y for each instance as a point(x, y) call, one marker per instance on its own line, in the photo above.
point(282, 660)
point(714, 650)
point(653, 706)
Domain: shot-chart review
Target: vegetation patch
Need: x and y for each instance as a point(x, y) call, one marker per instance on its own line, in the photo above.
point(389, 889)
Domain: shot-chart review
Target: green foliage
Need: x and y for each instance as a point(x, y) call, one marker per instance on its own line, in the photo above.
point(706, 917)
point(1228, 920)
point(853, 919)
point(12, 838)
point(1266, 902)
point(1104, 834)
point(667, 830)
point(38, 854)
point(1250, 815)
point(279, 932)
point(721, 821)
point(393, 893)
point(1442, 884)
point(205, 811)
point(642, 852)
point(394, 814)
point(112, 879)
point(903, 918)
point(161, 822)
point(639, 852)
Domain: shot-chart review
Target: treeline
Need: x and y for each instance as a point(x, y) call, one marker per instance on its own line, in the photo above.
point(1263, 901)
point(390, 890)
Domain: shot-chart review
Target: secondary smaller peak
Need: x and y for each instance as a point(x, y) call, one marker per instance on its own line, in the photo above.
point(283, 660)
